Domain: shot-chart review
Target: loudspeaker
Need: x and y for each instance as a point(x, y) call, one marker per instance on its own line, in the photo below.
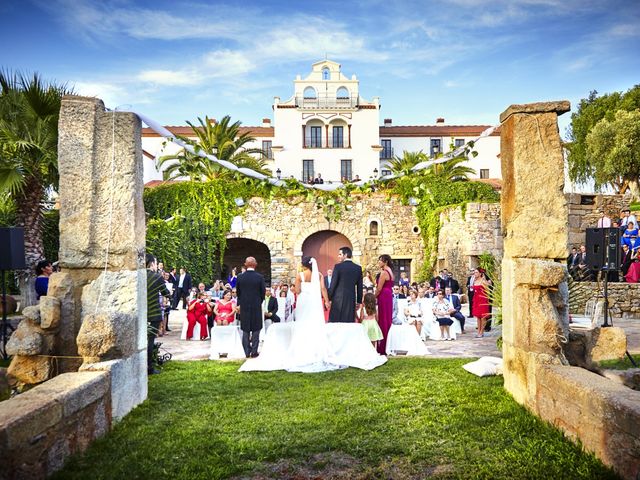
point(12, 249)
point(603, 248)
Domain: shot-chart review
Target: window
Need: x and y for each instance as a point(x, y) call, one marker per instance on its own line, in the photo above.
point(373, 229)
point(315, 141)
point(459, 142)
point(326, 74)
point(307, 170)
point(310, 93)
point(342, 93)
point(266, 149)
point(484, 173)
point(345, 170)
point(385, 172)
point(338, 137)
point(436, 145)
point(387, 151)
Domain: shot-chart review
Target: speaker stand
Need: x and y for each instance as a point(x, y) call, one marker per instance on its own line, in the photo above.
point(3, 327)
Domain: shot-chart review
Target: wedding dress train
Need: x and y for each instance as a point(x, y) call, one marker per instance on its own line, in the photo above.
point(309, 344)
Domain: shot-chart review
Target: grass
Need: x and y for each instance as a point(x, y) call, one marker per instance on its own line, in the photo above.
point(620, 364)
point(411, 418)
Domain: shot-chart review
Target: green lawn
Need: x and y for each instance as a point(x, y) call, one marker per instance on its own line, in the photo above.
point(411, 418)
point(621, 364)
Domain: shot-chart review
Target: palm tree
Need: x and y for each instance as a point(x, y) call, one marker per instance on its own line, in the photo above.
point(222, 139)
point(29, 112)
point(452, 169)
point(408, 160)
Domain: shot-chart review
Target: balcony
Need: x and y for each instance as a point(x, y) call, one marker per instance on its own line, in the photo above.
point(324, 142)
point(326, 102)
point(386, 154)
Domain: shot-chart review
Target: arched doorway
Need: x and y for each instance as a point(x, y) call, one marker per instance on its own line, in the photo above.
point(323, 246)
point(238, 249)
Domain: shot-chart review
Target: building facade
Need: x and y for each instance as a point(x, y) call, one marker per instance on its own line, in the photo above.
point(327, 128)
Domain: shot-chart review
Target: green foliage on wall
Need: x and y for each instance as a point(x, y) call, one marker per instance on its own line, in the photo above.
point(434, 195)
point(188, 223)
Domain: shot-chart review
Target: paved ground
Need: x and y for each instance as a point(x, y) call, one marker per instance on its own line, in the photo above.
point(465, 346)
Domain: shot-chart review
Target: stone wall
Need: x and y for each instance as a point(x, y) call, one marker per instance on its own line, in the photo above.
point(40, 428)
point(284, 228)
point(624, 298)
point(601, 414)
point(462, 240)
point(586, 210)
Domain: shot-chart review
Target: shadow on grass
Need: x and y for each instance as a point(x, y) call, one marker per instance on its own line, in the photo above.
point(410, 418)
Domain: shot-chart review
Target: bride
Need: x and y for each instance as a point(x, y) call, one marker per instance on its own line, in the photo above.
point(306, 345)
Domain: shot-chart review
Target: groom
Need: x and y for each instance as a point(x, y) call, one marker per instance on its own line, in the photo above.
point(250, 288)
point(345, 290)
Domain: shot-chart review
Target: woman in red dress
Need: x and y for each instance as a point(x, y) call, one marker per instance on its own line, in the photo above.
point(480, 306)
point(198, 310)
point(225, 309)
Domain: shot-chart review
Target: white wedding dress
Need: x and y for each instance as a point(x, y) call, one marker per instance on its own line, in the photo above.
point(309, 344)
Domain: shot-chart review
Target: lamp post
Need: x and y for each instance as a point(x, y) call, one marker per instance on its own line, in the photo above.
point(375, 173)
point(278, 173)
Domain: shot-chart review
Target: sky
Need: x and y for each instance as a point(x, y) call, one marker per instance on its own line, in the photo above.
point(464, 60)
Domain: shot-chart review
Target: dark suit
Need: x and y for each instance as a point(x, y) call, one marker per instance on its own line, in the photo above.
point(470, 293)
point(455, 303)
point(183, 292)
point(452, 283)
point(155, 288)
point(272, 308)
point(437, 283)
point(250, 288)
point(345, 291)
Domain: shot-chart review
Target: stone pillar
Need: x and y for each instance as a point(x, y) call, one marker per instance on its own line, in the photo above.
point(534, 225)
point(102, 245)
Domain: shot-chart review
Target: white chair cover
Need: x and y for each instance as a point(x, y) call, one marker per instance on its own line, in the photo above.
point(226, 340)
point(404, 339)
point(196, 330)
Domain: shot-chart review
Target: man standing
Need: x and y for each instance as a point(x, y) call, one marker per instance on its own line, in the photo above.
point(155, 288)
point(327, 279)
point(345, 292)
point(184, 287)
point(251, 290)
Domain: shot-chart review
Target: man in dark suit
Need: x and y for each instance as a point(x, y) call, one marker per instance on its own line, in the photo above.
point(155, 288)
point(327, 279)
point(470, 292)
point(345, 292)
point(449, 281)
point(271, 307)
point(455, 307)
point(573, 260)
point(251, 290)
point(184, 287)
point(173, 278)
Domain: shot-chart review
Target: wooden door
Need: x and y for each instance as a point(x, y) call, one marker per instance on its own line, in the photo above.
point(324, 246)
point(401, 265)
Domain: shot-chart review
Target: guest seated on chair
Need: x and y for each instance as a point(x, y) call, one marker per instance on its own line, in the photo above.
point(198, 310)
point(442, 309)
point(413, 311)
point(225, 309)
point(456, 306)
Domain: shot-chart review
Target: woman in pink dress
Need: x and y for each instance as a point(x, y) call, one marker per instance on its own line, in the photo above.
point(384, 294)
point(480, 306)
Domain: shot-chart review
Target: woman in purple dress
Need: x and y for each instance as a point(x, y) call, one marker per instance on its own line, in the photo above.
point(384, 294)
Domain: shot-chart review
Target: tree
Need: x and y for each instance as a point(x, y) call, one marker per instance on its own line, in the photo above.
point(613, 149)
point(592, 110)
point(221, 139)
point(29, 112)
point(453, 169)
point(408, 160)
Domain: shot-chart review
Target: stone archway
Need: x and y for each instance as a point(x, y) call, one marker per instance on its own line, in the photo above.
point(323, 246)
point(238, 249)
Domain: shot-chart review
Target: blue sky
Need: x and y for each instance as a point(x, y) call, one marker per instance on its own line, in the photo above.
point(465, 60)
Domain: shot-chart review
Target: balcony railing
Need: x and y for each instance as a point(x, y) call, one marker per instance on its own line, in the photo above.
point(386, 154)
point(326, 101)
point(323, 142)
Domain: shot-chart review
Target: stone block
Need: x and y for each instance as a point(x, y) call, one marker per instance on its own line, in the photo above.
point(536, 272)
point(128, 382)
point(26, 417)
point(32, 313)
point(530, 144)
point(30, 370)
point(98, 197)
point(28, 339)
point(75, 391)
point(608, 344)
point(106, 336)
point(49, 312)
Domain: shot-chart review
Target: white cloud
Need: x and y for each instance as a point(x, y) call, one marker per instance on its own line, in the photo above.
point(170, 77)
point(109, 93)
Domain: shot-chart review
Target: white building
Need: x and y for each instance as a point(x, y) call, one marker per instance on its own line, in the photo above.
point(326, 127)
